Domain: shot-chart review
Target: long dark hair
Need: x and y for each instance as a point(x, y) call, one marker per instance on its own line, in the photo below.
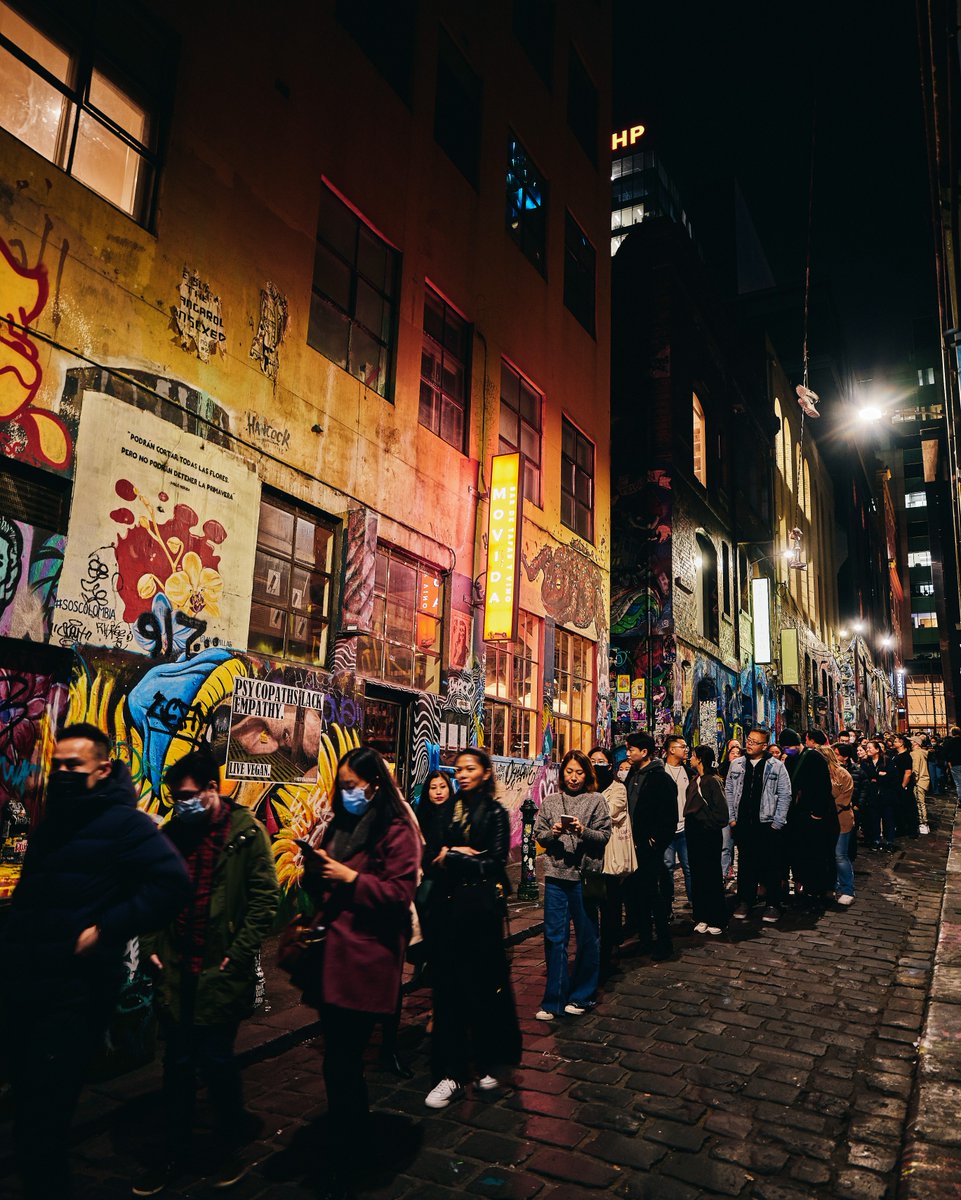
point(488, 788)
point(578, 756)
point(705, 755)
point(387, 800)
point(425, 787)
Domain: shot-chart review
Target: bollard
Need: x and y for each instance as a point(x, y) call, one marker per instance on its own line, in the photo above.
point(528, 889)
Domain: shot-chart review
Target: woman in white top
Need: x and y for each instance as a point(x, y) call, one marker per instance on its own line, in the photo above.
point(620, 858)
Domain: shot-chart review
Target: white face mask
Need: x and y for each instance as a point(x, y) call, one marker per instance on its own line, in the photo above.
point(623, 772)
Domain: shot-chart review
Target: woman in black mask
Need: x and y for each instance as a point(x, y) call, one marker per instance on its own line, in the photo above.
point(620, 858)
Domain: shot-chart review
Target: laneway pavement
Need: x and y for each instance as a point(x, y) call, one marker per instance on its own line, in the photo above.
point(775, 1062)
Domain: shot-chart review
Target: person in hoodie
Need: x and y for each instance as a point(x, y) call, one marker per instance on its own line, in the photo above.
point(573, 825)
point(97, 872)
point(205, 963)
point(652, 807)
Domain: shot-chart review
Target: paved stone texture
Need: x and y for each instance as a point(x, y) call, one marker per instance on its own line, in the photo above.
point(777, 1063)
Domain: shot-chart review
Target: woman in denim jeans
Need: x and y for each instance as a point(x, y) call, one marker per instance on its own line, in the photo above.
point(573, 825)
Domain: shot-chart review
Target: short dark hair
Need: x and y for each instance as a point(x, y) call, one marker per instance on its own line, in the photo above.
point(642, 741)
point(608, 754)
point(671, 739)
point(756, 732)
point(89, 733)
point(198, 765)
point(818, 737)
point(789, 737)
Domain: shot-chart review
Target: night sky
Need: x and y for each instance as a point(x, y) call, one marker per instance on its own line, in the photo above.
point(725, 87)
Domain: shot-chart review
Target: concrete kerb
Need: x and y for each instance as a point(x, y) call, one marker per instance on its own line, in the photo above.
point(931, 1158)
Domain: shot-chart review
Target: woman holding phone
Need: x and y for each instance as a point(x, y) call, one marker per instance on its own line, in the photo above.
point(573, 825)
point(475, 1020)
point(362, 877)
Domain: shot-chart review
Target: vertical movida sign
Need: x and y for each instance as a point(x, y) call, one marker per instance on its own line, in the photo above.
point(503, 549)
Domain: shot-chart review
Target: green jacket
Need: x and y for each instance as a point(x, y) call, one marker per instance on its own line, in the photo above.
point(243, 905)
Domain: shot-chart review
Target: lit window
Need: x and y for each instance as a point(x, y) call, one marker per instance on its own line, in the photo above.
point(526, 210)
point(916, 500)
point(290, 613)
point(922, 589)
point(700, 442)
point(928, 620)
point(444, 361)
point(574, 714)
point(62, 95)
point(404, 644)
point(354, 295)
point(512, 700)
point(919, 558)
point(520, 427)
point(579, 270)
point(577, 481)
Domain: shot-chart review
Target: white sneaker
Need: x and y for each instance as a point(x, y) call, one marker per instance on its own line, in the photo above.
point(714, 930)
point(575, 1010)
point(923, 829)
point(701, 927)
point(543, 1015)
point(487, 1083)
point(845, 900)
point(443, 1093)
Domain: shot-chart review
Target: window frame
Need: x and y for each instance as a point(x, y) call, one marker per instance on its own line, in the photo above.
point(580, 264)
point(698, 440)
point(294, 563)
point(514, 710)
point(572, 465)
point(389, 297)
point(530, 471)
point(90, 54)
point(588, 141)
point(451, 58)
point(520, 233)
point(565, 725)
point(708, 597)
point(443, 352)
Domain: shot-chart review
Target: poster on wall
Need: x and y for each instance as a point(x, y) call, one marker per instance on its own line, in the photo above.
point(277, 730)
point(160, 554)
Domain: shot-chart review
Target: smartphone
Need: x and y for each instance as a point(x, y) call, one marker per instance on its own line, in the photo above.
point(305, 846)
point(567, 821)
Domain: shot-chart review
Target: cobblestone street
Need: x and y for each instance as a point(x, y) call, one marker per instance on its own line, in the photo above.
point(776, 1063)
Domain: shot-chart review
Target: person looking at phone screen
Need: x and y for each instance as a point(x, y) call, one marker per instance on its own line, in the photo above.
point(573, 825)
point(362, 877)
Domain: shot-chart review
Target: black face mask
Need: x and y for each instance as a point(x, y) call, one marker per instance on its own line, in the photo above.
point(605, 776)
point(65, 789)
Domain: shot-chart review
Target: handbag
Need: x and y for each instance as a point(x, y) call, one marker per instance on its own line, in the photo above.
point(300, 951)
point(594, 886)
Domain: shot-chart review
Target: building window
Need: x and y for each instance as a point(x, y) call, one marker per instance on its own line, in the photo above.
point(511, 701)
point(926, 620)
point(290, 614)
point(354, 295)
point(444, 378)
point(457, 109)
point(916, 500)
point(706, 564)
point(922, 589)
point(404, 644)
point(526, 205)
point(582, 105)
point(574, 715)
point(919, 558)
point(31, 497)
point(726, 577)
point(386, 31)
point(577, 481)
point(89, 97)
point(534, 29)
point(579, 271)
point(744, 580)
point(520, 427)
point(925, 376)
point(700, 442)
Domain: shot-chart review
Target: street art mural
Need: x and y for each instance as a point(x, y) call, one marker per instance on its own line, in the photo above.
point(155, 713)
point(572, 591)
point(33, 696)
point(27, 432)
point(518, 778)
point(30, 563)
point(149, 567)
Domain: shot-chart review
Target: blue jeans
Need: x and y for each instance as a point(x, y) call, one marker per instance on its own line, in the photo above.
point(937, 777)
point(956, 776)
point(563, 904)
point(727, 850)
point(845, 872)
point(678, 850)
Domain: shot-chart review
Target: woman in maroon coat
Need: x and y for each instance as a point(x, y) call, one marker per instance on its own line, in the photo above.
point(362, 878)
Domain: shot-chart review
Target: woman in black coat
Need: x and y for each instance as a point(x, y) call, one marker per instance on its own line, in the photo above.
point(475, 1019)
point(705, 818)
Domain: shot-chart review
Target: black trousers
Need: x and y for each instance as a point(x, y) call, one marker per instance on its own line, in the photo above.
point(611, 909)
point(760, 860)
point(346, 1034)
point(648, 899)
point(59, 1025)
point(707, 881)
point(209, 1050)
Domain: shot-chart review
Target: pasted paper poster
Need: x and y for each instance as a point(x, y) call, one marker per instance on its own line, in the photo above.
point(163, 529)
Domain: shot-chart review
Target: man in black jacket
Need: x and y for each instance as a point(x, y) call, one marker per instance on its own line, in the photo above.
point(652, 804)
point(97, 872)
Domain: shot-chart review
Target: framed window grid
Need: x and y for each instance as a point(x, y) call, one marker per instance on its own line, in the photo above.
point(526, 211)
point(577, 481)
point(512, 698)
point(699, 433)
point(444, 371)
point(404, 645)
point(520, 427)
point(574, 709)
point(580, 265)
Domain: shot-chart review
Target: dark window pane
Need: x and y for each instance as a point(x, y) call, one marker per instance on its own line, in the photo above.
point(582, 105)
point(457, 109)
point(328, 331)
point(386, 31)
point(332, 278)
point(534, 29)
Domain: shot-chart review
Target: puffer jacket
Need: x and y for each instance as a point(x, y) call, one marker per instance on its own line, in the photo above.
point(775, 794)
point(243, 905)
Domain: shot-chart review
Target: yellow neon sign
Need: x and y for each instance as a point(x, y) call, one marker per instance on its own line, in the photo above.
point(503, 551)
point(626, 137)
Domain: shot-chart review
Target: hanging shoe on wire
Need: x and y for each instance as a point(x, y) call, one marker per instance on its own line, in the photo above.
point(808, 400)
